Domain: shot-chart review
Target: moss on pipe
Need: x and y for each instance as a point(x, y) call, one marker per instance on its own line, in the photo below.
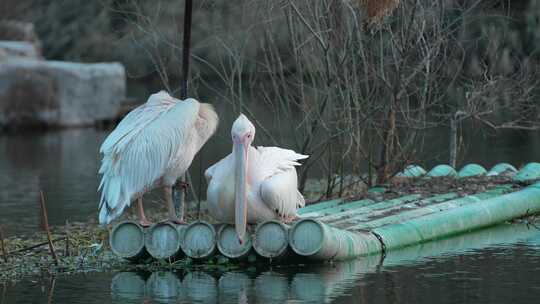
point(370, 208)
point(319, 206)
point(471, 170)
point(466, 218)
point(337, 209)
point(437, 207)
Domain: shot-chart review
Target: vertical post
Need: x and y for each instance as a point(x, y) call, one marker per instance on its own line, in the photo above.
point(46, 224)
point(188, 8)
point(186, 48)
point(3, 247)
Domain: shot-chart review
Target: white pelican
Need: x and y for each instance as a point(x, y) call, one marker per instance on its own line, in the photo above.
point(151, 147)
point(253, 185)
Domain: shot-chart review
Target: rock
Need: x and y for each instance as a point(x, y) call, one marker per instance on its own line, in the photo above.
point(20, 31)
point(59, 94)
point(18, 49)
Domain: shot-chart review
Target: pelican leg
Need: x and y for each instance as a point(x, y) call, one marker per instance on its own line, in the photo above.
point(170, 207)
point(142, 218)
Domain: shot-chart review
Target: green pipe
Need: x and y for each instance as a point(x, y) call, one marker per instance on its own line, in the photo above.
point(318, 241)
point(376, 190)
point(460, 244)
point(199, 240)
point(466, 218)
point(471, 170)
point(437, 207)
point(127, 240)
point(162, 241)
point(369, 208)
point(392, 211)
point(442, 170)
point(528, 173)
point(228, 244)
point(501, 168)
point(271, 239)
point(338, 209)
point(319, 206)
point(412, 171)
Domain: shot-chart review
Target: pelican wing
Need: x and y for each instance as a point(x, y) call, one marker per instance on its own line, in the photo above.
point(275, 167)
point(140, 150)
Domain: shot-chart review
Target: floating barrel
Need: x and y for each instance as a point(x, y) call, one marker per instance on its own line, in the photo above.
point(471, 170)
point(528, 173)
point(127, 240)
point(127, 286)
point(412, 171)
point(201, 287)
point(502, 168)
point(318, 241)
point(162, 241)
point(164, 286)
point(271, 239)
point(442, 170)
point(199, 240)
point(229, 245)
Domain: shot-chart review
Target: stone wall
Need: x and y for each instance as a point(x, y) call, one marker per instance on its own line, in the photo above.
point(36, 92)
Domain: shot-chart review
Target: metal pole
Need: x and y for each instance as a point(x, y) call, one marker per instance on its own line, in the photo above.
point(188, 9)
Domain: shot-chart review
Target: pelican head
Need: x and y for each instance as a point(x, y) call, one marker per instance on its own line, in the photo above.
point(242, 133)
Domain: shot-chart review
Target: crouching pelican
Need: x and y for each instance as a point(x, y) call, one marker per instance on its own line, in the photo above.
point(151, 147)
point(253, 185)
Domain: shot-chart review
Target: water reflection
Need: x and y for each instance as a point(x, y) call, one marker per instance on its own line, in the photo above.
point(320, 283)
point(478, 267)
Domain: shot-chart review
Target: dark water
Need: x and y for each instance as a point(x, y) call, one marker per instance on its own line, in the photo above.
point(496, 265)
point(64, 165)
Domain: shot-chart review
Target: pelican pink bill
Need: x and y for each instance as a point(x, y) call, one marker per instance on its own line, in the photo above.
point(252, 185)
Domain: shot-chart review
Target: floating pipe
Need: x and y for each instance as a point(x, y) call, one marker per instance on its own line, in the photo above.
point(471, 170)
point(127, 240)
point(163, 241)
point(466, 218)
point(461, 244)
point(338, 209)
point(501, 168)
point(412, 171)
point(199, 240)
point(319, 206)
point(407, 215)
point(339, 216)
point(442, 170)
point(528, 173)
point(228, 244)
point(318, 241)
point(271, 239)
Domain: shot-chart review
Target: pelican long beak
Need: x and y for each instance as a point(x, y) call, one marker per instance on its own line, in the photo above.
point(240, 199)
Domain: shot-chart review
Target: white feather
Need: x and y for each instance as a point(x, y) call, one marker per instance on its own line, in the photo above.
point(154, 144)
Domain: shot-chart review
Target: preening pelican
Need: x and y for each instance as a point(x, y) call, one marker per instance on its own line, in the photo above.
point(151, 147)
point(253, 185)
